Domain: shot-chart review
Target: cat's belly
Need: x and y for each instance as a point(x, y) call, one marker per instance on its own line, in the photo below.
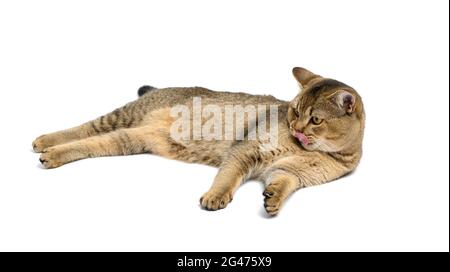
point(167, 142)
point(177, 134)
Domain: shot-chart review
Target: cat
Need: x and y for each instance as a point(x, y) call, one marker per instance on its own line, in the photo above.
point(319, 138)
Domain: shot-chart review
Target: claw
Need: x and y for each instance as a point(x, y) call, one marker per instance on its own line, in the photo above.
point(267, 194)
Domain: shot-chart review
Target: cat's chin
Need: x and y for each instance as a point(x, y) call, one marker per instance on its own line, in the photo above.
point(308, 146)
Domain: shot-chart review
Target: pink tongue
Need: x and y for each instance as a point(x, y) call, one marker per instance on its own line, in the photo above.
point(302, 138)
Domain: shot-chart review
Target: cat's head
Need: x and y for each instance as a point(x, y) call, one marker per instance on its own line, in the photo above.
point(327, 115)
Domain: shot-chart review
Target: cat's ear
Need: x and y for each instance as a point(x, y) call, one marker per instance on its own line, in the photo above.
point(345, 100)
point(303, 76)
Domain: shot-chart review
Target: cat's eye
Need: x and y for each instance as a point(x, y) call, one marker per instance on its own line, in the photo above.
point(316, 120)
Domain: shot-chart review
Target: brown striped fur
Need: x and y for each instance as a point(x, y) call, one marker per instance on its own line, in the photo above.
point(143, 126)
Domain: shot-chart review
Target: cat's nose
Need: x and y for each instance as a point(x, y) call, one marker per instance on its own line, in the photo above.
point(299, 127)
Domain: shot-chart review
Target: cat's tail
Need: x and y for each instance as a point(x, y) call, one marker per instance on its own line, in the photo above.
point(145, 89)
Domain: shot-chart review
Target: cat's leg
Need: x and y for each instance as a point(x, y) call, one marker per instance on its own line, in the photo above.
point(226, 182)
point(120, 142)
point(125, 117)
point(280, 185)
point(290, 173)
point(64, 136)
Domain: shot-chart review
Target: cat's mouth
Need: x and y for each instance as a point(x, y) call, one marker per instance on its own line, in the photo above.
point(303, 139)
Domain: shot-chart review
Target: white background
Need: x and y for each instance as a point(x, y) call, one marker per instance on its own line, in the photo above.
point(66, 62)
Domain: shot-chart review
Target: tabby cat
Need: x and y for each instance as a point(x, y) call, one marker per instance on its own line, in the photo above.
point(319, 138)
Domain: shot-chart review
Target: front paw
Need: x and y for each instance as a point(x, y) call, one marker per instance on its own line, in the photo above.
point(272, 200)
point(53, 157)
point(42, 142)
point(213, 201)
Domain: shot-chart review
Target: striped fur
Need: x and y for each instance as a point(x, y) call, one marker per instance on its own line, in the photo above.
point(143, 126)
